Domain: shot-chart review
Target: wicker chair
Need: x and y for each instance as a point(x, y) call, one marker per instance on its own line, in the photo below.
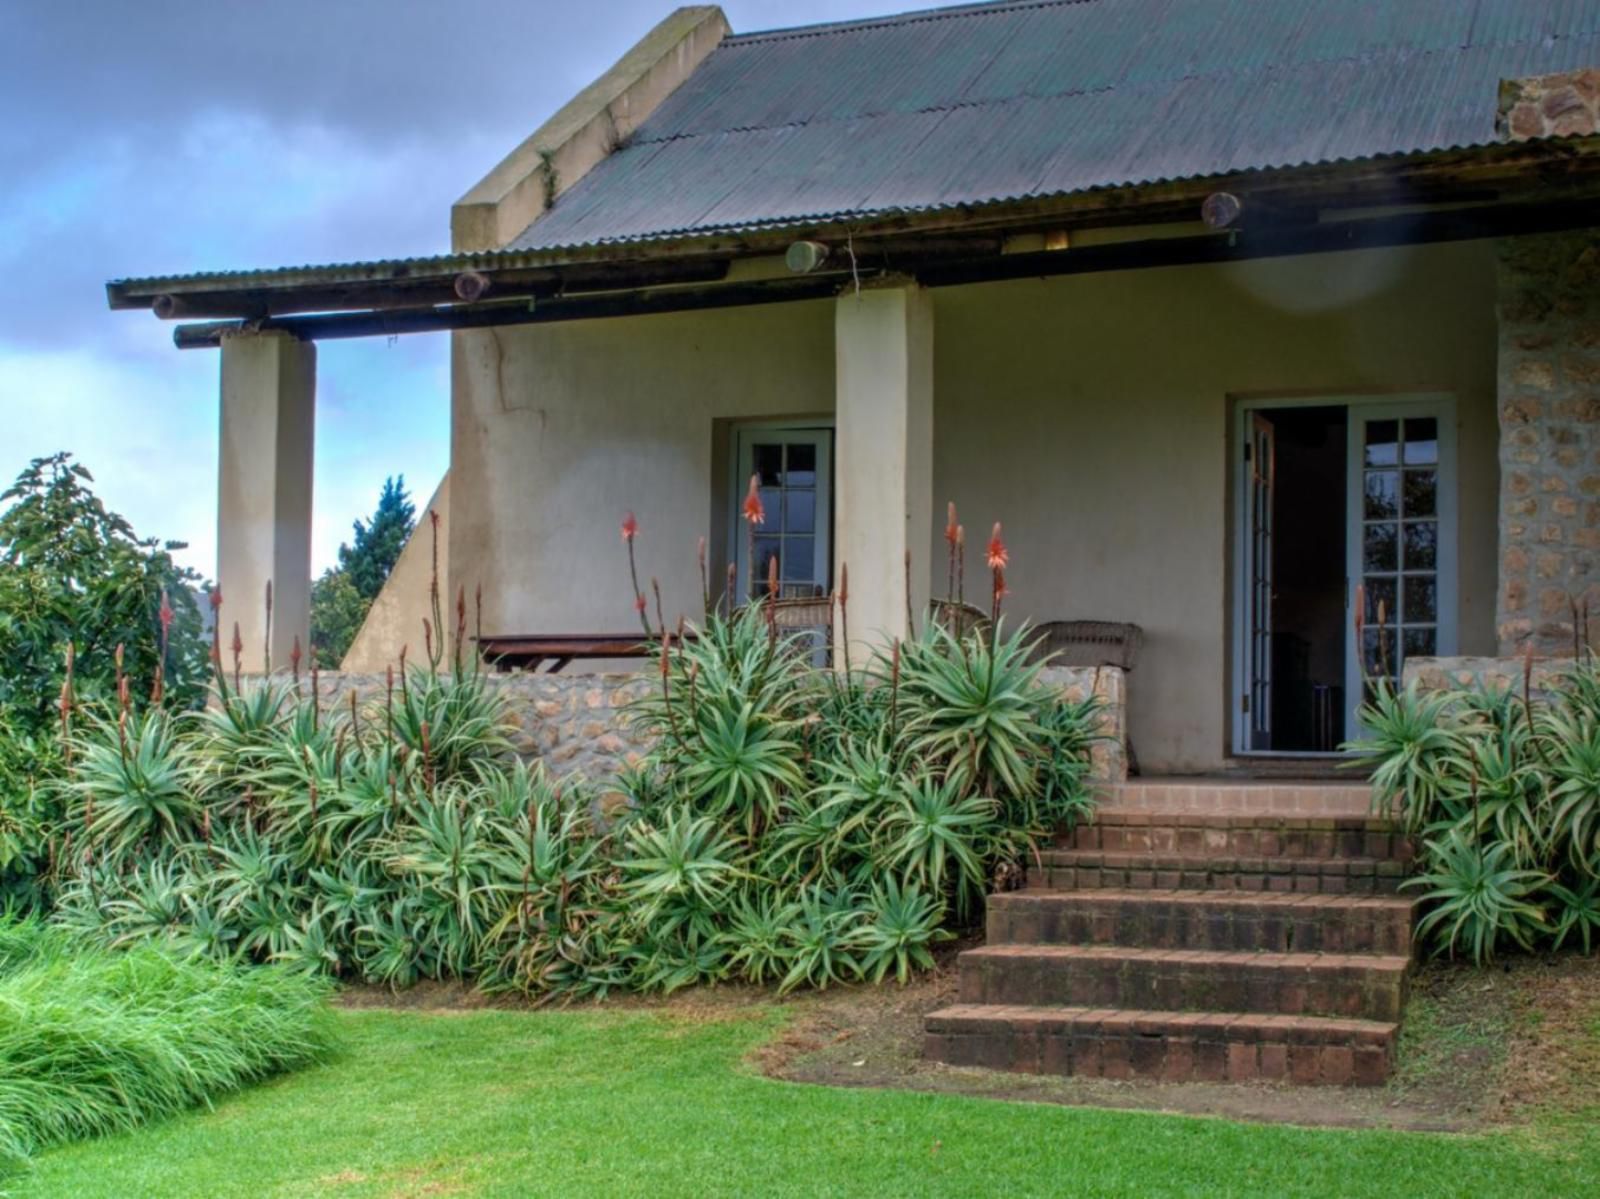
point(800, 608)
point(1091, 643)
point(959, 618)
point(1087, 643)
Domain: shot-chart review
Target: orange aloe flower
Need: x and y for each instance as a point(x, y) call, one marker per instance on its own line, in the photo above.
point(999, 556)
point(753, 511)
point(950, 525)
point(630, 527)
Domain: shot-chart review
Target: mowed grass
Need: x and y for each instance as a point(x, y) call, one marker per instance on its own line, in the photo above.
point(624, 1103)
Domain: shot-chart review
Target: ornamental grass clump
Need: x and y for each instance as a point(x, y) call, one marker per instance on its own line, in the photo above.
point(94, 1041)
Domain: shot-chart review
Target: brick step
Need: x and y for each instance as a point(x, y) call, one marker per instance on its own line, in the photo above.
point(1239, 835)
point(1171, 1046)
point(1075, 869)
point(1217, 920)
point(1365, 986)
point(1239, 796)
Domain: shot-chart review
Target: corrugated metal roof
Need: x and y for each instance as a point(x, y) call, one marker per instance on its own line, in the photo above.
point(1002, 101)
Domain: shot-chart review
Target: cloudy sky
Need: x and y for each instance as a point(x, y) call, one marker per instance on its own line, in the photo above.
point(165, 136)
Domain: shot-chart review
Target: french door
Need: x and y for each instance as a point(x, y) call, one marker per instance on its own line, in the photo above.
point(1401, 551)
point(793, 466)
point(1399, 560)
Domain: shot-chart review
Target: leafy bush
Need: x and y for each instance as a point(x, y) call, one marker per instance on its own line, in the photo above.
point(1502, 792)
point(86, 606)
point(93, 1041)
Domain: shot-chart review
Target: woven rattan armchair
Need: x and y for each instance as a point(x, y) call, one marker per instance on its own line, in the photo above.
point(959, 618)
point(1087, 643)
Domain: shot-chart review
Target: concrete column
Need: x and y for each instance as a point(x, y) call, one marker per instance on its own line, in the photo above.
point(264, 491)
point(883, 474)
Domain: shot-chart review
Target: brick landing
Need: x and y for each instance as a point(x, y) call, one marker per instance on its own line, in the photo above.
point(1202, 931)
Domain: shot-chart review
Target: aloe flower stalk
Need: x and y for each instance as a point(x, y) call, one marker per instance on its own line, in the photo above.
point(998, 558)
point(754, 515)
point(661, 616)
point(66, 706)
point(961, 564)
point(911, 619)
point(951, 529)
point(238, 657)
point(731, 586)
point(266, 636)
point(705, 579)
point(435, 653)
point(844, 612)
point(316, 691)
point(630, 530)
point(294, 661)
point(461, 624)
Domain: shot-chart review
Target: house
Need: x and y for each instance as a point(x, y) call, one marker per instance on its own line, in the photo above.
point(1231, 312)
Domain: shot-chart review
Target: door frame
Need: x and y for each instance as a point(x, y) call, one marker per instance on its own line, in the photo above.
point(738, 481)
point(1408, 403)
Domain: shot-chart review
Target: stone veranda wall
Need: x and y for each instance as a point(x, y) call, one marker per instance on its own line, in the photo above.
point(1493, 674)
point(1561, 105)
point(1549, 385)
point(579, 723)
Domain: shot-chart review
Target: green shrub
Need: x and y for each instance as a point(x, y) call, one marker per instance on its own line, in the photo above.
point(790, 826)
point(1502, 792)
point(95, 1041)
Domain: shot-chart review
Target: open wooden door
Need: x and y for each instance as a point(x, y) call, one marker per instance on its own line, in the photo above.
point(1256, 695)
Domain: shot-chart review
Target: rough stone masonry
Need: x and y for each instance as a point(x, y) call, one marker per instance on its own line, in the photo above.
point(1549, 391)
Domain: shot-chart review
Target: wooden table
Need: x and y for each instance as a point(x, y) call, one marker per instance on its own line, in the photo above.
point(530, 651)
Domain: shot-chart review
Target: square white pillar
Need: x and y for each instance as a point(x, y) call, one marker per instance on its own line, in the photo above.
point(883, 475)
point(264, 492)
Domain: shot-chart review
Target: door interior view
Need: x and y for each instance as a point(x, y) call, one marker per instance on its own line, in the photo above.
point(1298, 613)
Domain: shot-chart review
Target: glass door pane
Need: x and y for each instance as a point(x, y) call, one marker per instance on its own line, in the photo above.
point(1402, 549)
point(793, 472)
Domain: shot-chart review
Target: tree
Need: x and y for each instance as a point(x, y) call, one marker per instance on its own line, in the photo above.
point(378, 543)
point(341, 597)
point(72, 572)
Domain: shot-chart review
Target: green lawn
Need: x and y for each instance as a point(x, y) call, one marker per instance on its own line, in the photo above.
point(520, 1103)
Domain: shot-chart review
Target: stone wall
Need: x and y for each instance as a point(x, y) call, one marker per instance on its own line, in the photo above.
point(575, 723)
point(1495, 674)
point(1549, 384)
point(1562, 105)
point(578, 723)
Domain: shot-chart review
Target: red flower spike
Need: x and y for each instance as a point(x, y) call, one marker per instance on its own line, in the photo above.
point(772, 576)
point(237, 645)
point(951, 528)
point(630, 527)
point(753, 511)
point(166, 613)
point(639, 603)
point(216, 598)
point(999, 557)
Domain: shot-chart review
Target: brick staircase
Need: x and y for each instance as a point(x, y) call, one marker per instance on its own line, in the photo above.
point(1197, 932)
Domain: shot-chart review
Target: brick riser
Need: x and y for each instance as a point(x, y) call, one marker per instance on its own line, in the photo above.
point(1362, 986)
point(1229, 921)
point(1221, 836)
point(1171, 1047)
point(1071, 870)
point(1198, 931)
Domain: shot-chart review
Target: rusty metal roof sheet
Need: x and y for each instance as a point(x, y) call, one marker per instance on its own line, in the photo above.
point(1002, 101)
